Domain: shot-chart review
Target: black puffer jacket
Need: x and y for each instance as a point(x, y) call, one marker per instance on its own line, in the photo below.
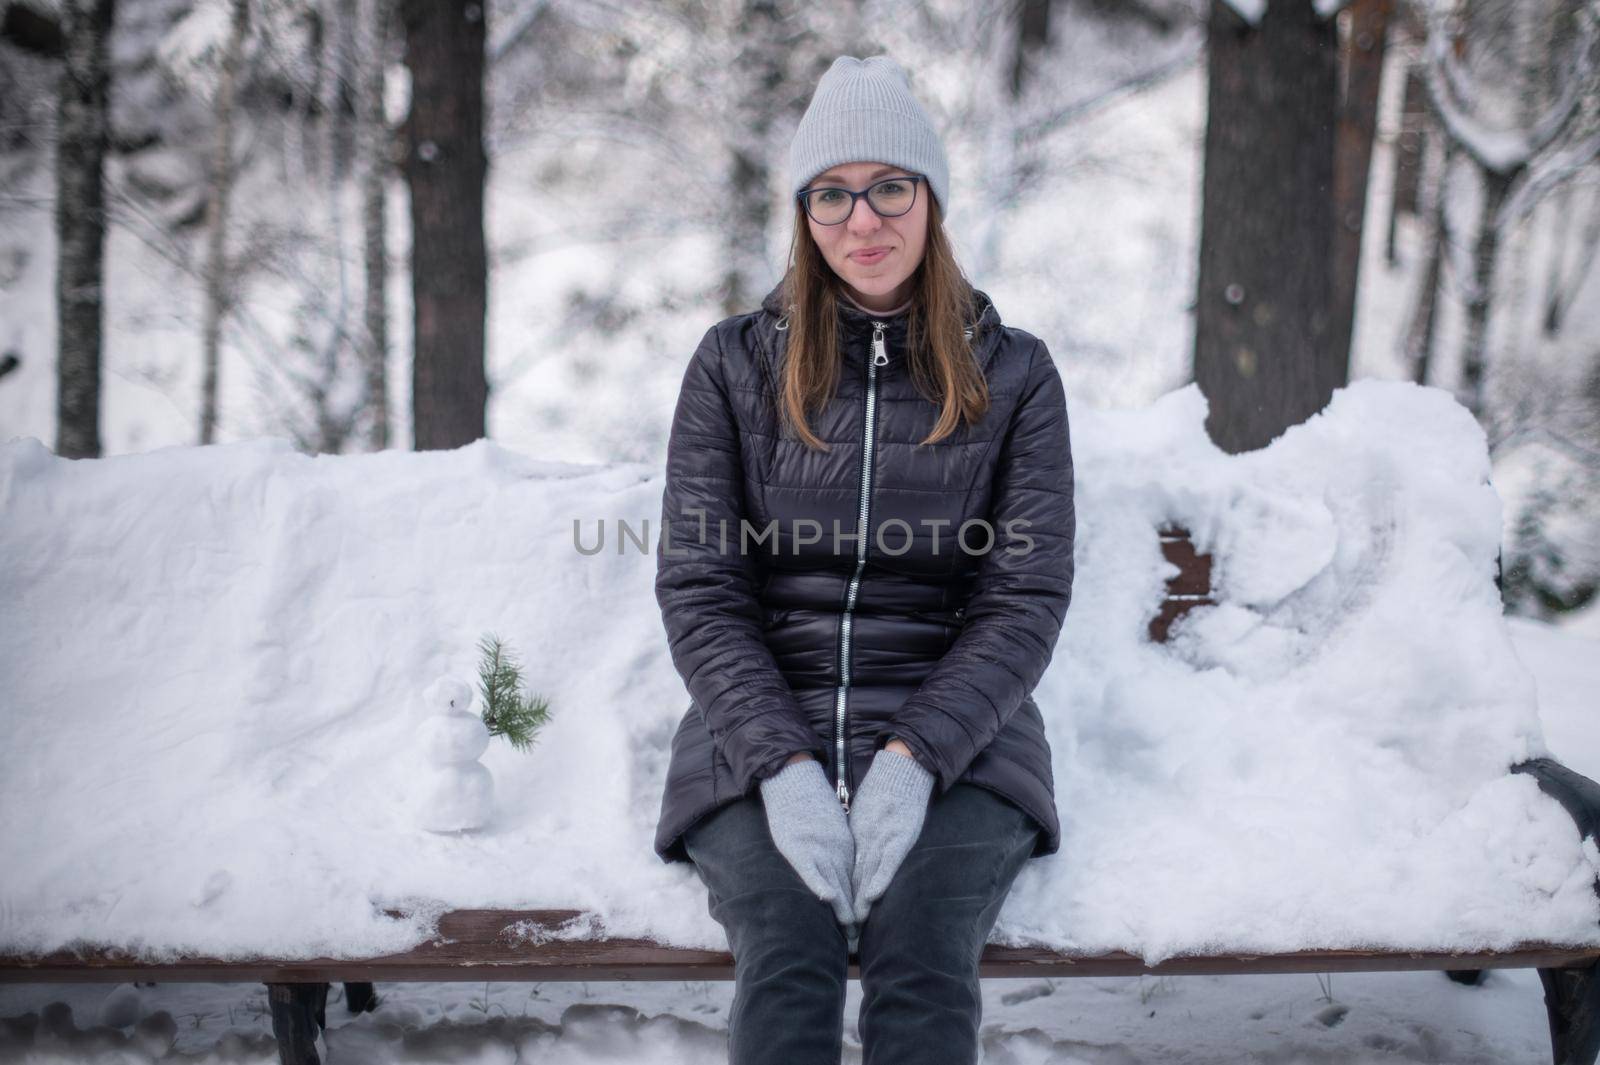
point(800, 642)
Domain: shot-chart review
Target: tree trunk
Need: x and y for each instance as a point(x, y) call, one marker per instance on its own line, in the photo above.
point(312, 111)
point(1033, 35)
point(334, 417)
point(1358, 121)
point(374, 150)
point(761, 65)
point(1556, 258)
point(746, 231)
point(1565, 284)
point(345, 64)
point(446, 169)
point(84, 89)
point(217, 271)
point(1414, 138)
point(1425, 313)
point(1480, 301)
point(1267, 221)
point(32, 31)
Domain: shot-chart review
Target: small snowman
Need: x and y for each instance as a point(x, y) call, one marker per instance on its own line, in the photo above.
point(457, 791)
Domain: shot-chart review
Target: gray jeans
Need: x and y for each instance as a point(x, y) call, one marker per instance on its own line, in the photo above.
point(918, 951)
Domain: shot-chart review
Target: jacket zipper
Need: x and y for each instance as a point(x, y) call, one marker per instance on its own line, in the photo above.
point(880, 357)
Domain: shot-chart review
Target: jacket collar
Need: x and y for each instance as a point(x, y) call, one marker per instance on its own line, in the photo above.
point(855, 328)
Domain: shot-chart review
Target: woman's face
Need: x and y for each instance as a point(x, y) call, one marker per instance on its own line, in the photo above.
point(873, 255)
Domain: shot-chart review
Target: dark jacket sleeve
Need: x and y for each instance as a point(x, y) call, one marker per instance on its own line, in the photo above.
point(1020, 595)
point(706, 586)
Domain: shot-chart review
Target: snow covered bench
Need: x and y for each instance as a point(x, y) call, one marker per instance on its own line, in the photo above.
point(1335, 766)
point(523, 945)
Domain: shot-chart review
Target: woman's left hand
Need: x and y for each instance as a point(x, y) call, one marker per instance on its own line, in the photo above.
point(886, 817)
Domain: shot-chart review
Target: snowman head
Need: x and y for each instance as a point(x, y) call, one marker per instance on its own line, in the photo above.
point(447, 694)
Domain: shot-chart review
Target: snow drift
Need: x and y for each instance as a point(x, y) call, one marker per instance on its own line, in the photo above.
point(214, 659)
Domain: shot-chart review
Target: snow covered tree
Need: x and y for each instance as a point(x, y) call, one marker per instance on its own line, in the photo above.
point(1552, 551)
point(338, 395)
point(1366, 27)
point(1032, 36)
point(1513, 95)
point(374, 144)
point(1015, 80)
point(764, 45)
point(1523, 131)
point(267, 217)
point(712, 89)
point(1292, 106)
point(1410, 142)
point(1264, 306)
point(446, 168)
point(217, 273)
point(81, 144)
point(677, 114)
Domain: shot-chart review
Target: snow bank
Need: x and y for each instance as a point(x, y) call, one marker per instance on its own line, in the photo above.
point(215, 658)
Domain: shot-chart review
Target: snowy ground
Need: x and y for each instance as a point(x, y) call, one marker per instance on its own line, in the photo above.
point(1193, 1020)
point(1372, 1018)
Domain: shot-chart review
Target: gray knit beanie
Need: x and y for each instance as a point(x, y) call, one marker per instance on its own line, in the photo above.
point(863, 112)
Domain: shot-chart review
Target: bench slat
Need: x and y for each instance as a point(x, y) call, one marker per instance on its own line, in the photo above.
point(1189, 589)
point(513, 945)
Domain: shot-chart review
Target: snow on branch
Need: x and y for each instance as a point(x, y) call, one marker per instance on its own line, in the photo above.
point(1178, 61)
point(1502, 151)
point(1252, 11)
point(1249, 10)
point(1547, 176)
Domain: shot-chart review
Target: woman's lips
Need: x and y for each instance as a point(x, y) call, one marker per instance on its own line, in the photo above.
point(867, 258)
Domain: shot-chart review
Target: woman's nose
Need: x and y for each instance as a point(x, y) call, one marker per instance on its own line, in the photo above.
point(863, 219)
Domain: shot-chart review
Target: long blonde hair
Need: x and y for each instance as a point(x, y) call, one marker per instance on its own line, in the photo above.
point(942, 360)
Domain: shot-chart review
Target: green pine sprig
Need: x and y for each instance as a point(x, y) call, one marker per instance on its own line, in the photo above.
point(505, 710)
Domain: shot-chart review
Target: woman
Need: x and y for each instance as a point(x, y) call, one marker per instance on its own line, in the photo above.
point(862, 766)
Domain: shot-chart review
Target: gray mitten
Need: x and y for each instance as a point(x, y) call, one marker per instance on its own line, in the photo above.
point(886, 816)
point(811, 831)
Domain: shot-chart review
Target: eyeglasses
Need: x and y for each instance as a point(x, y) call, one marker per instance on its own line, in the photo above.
point(890, 198)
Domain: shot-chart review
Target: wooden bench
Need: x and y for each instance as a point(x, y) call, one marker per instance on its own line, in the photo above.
point(495, 944)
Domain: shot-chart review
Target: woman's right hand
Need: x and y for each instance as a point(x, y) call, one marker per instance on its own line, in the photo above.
point(811, 831)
